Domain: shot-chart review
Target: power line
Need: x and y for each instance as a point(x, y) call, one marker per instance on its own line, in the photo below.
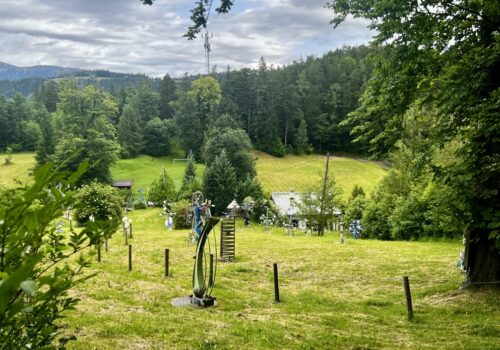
point(294, 166)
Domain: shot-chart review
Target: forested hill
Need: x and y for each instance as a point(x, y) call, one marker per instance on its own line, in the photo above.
point(27, 80)
point(10, 72)
point(280, 107)
point(297, 108)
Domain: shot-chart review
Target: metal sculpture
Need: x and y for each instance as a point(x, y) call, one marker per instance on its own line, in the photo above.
point(201, 289)
point(203, 282)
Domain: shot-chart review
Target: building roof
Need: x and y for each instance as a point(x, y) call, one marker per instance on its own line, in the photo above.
point(233, 205)
point(288, 206)
point(123, 183)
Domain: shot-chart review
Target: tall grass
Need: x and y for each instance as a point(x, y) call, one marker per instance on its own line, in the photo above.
point(333, 295)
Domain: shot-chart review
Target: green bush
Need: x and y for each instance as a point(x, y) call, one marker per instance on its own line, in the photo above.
point(139, 205)
point(376, 222)
point(35, 274)
point(102, 201)
point(355, 209)
point(275, 147)
point(182, 214)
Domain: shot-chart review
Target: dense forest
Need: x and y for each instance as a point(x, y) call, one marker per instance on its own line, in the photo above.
point(291, 109)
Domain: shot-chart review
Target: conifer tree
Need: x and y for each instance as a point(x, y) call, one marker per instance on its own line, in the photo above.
point(220, 182)
point(129, 133)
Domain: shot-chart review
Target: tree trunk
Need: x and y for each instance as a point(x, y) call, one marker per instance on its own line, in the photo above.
point(482, 258)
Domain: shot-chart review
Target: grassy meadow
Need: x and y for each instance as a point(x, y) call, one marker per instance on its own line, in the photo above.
point(275, 174)
point(333, 296)
point(300, 172)
point(18, 171)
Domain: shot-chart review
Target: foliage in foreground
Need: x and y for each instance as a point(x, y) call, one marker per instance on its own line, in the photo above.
point(35, 271)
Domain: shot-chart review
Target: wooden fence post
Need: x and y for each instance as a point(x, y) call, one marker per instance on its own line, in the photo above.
point(409, 306)
point(166, 262)
point(276, 286)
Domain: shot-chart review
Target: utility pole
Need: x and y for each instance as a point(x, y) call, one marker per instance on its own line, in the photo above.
point(321, 228)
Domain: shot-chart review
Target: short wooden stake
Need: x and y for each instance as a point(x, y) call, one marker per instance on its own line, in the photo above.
point(126, 237)
point(130, 228)
point(106, 247)
point(130, 257)
point(409, 306)
point(70, 224)
point(166, 262)
point(99, 252)
point(211, 272)
point(276, 287)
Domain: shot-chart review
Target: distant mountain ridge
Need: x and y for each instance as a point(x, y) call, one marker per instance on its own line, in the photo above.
point(27, 80)
point(11, 72)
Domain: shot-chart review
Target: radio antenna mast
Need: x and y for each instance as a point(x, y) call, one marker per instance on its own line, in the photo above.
point(206, 45)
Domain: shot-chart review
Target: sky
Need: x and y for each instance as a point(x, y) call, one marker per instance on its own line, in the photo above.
point(126, 36)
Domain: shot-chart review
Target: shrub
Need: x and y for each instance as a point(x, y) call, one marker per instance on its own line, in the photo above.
point(139, 205)
point(355, 209)
point(275, 147)
point(376, 222)
point(8, 160)
point(249, 188)
point(182, 214)
point(102, 201)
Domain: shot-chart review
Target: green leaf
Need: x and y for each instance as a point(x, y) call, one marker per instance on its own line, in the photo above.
point(29, 287)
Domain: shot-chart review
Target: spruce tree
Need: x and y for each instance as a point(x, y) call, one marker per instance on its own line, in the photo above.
point(167, 95)
point(220, 182)
point(301, 138)
point(189, 171)
point(129, 133)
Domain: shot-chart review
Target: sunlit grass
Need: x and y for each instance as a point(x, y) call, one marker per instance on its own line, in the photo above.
point(275, 174)
point(18, 171)
point(301, 172)
point(333, 295)
point(145, 169)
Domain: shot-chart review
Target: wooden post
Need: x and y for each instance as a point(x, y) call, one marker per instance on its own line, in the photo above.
point(70, 224)
point(99, 252)
point(276, 287)
point(106, 247)
point(130, 257)
point(130, 229)
point(211, 272)
point(341, 231)
point(409, 306)
point(166, 262)
point(126, 236)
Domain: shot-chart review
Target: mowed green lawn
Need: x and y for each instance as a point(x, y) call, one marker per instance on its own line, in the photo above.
point(275, 174)
point(145, 169)
point(18, 171)
point(333, 296)
point(302, 172)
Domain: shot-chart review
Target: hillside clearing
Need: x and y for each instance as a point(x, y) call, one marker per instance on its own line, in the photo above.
point(275, 174)
point(302, 172)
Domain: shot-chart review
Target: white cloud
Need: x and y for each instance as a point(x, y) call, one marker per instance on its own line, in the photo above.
point(127, 36)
